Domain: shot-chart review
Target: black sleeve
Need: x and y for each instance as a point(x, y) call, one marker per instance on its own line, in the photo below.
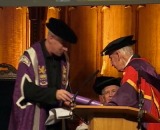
point(36, 94)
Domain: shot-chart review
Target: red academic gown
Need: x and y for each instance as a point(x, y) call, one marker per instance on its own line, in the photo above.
point(133, 81)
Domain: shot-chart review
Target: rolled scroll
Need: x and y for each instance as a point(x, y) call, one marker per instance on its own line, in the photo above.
point(85, 101)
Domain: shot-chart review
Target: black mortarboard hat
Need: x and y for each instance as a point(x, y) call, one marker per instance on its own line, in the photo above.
point(103, 81)
point(62, 30)
point(117, 44)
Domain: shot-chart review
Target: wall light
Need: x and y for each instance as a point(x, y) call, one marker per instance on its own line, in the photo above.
point(127, 6)
point(71, 8)
point(19, 8)
point(93, 7)
point(140, 6)
point(51, 7)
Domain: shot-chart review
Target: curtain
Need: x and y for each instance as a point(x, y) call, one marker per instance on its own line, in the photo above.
point(13, 34)
point(149, 34)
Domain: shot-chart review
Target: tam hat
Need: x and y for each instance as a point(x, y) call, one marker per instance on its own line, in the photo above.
point(118, 44)
point(104, 81)
point(62, 30)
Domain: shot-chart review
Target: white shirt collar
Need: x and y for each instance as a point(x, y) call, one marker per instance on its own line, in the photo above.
point(128, 60)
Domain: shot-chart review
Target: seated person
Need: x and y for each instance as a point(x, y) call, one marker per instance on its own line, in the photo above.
point(106, 88)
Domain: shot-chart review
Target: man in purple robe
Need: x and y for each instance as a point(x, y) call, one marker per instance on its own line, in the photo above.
point(42, 79)
point(140, 82)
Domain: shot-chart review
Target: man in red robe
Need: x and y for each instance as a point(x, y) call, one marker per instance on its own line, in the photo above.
point(140, 86)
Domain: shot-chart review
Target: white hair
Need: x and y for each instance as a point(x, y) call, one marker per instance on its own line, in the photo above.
point(50, 33)
point(127, 50)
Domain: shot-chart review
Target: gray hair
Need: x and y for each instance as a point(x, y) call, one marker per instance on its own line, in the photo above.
point(50, 33)
point(127, 50)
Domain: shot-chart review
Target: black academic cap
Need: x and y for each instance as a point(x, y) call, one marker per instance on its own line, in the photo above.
point(62, 30)
point(104, 81)
point(117, 44)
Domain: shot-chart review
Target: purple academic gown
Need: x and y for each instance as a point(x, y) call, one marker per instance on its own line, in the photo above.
point(127, 95)
point(29, 116)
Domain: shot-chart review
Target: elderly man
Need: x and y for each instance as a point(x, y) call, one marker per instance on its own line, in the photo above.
point(139, 85)
point(106, 87)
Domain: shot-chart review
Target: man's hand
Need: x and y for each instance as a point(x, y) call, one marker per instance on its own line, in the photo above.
point(63, 95)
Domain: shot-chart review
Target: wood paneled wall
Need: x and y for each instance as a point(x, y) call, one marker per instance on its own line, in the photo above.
point(95, 28)
point(117, 21)
point(84, 56)
point(149, 34)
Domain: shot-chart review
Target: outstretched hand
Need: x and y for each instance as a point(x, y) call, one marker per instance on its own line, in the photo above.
point(63, 95)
